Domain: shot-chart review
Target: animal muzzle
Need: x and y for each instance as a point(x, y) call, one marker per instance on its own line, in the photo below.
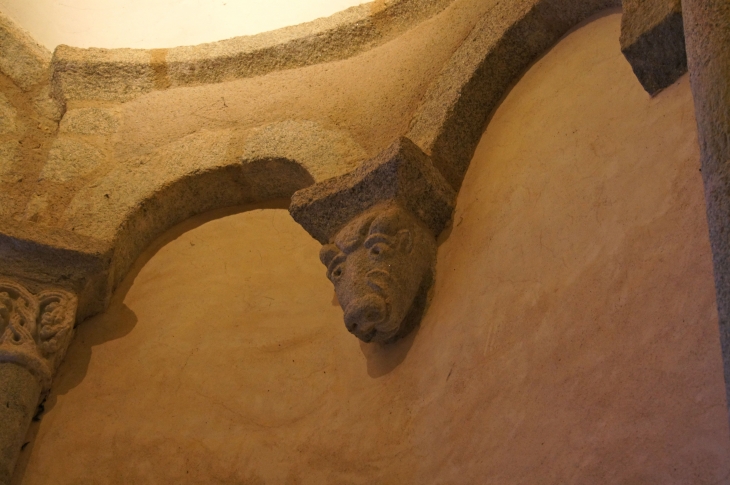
point(364, 313)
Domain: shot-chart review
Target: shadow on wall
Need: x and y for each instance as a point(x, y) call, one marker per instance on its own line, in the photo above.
point(382, 359)
point(116, 322)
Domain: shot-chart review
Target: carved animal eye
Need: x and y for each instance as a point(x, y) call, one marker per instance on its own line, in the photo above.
point(377, 249)
point(336, 273)
point(334, 269)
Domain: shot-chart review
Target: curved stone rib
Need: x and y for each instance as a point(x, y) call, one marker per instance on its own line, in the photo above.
point(22, 59)
point(451, 119)
point(123, 74)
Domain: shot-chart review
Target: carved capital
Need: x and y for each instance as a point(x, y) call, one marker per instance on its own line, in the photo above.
point(378, 226)
point(35, 330)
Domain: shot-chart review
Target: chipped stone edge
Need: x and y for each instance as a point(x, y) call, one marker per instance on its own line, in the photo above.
point(22, 59)
point(124, 74)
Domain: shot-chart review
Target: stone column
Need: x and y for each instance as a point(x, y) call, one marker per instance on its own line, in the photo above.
point(36, 331)
point(707, 37)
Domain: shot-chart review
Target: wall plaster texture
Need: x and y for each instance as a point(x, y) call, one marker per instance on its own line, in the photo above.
point(571, 338)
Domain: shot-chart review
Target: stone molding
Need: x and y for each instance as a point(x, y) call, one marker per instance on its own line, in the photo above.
point(124, 74)
point(402, 172)
point(36, 329)
point(652, 40)
point(454, 112)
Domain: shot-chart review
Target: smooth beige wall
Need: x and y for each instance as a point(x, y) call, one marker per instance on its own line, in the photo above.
point(571, 339)
point(159, 23)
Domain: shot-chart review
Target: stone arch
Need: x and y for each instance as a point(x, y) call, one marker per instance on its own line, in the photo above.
point(504, 42)
point(85, 74)
point(132, 204)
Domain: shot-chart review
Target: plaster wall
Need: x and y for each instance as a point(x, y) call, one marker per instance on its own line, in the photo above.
point(572, 335)
point(159, 23)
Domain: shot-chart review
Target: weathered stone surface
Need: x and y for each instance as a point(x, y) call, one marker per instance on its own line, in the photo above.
point(273, 178)
point(652, 40)
point(45, 105)
point(378, 225)
point(6, 204)
point(71, 158)
point(35, 331)
point(40, 256)
point(8, 156)
point(135, 202)
point(101, 208)
point(707, 32)
point(402, 173)
point(123, 74)
point(8, 115)
point(323, 153)
point(381, 264)
point(90, 121)
point(20, 391)
point(37, 205)
point(21, 58)
point(455, 110)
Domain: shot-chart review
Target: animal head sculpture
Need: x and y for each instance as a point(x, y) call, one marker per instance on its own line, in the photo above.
point(381, 264)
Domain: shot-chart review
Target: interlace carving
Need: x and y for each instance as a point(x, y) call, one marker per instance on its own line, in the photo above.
point(35, 329)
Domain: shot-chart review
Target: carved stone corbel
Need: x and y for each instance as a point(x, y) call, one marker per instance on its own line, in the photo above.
point(35, 331)
point(378, 226)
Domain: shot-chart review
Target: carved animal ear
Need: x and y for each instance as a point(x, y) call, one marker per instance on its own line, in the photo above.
point(405, 240)
point(328, 253)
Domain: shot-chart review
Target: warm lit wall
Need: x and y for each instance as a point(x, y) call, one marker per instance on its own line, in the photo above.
point(159, 23)
point(572, 336)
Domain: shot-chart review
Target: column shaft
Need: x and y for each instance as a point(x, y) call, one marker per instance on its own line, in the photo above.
point(19, 395)
point(707, 37)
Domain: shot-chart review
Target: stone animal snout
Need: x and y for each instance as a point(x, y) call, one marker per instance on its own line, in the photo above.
point(377, 263)
point(364, 313)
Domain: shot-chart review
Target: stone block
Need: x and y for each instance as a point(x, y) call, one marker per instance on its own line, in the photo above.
point(46, 105)
point(324, 153)
point(652, 40)
point(37, 206)
point(124, 74)
point(69, 159)
point(90, 121)
point(8, 155)
point(402, 173)
point(8, 115)
point(22, 59)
